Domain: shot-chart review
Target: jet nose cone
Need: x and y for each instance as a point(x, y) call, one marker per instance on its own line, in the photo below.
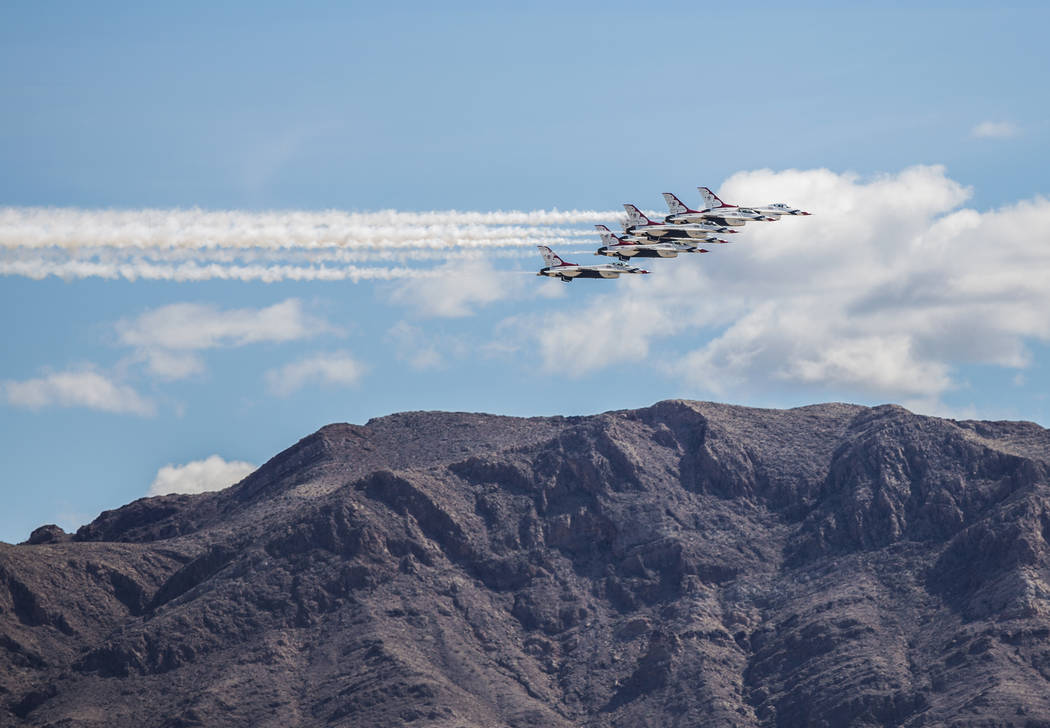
point(807, 213)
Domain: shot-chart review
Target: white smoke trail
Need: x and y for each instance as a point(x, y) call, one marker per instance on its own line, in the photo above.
point(195, 245)
point(263, 255)
point(140, 270)
point(249, 255)
point(23, 227)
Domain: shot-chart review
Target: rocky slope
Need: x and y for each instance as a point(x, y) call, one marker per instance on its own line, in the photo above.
point(681, 565)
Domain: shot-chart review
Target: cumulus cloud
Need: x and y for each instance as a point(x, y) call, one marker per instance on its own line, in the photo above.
point(85, 388)
point(199, 476)
point(169, 338)
point(882, 293)
point(994, 130)
point(458, 287)
point(612, 330)
point(414, 346)
point(333, 369)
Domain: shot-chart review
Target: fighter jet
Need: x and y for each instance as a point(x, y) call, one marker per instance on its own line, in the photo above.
point(557, 268)
point(716, 212)
point(775, 209)
point(627, 247)
point(639, 225)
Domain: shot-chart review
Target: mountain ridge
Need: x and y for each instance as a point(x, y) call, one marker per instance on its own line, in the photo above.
point(679, 564)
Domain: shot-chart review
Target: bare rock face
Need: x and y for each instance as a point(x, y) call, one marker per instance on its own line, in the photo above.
point(47, 534)
point(685, 564)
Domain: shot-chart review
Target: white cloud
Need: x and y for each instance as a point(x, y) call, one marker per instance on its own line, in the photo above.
point(612, 330)
point(458, 287)
point(994, 130)
point(337, 369)
point(413, 346)
point(426, 359)
point(199, 476)
point(167, 338)
point(882, 293)
point(172, 364)
point(85, 388)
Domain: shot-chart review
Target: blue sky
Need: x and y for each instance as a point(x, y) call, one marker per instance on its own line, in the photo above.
point(918, 136)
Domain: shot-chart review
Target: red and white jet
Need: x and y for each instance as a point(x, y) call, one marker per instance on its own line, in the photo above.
point(638, 224)
point(558, 268)
point(774, 209)
point(718, 212)
point(627, 247)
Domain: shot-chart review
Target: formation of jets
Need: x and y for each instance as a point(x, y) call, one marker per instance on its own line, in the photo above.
point(683, 230)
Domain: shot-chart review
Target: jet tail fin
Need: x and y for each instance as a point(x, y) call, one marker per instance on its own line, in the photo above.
point(635, 216)
point(711, 200)
point(607, 236)
point(674, 205)
point(550, 258)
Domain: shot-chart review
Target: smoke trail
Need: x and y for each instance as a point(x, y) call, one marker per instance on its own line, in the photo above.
point(141, 270)
point(257, 255)
point(71, 228)
point(195, 245)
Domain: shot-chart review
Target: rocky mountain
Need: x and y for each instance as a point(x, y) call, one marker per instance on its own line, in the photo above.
point(686, 564)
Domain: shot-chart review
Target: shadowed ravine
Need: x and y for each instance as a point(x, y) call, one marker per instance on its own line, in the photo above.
point(681, 565)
